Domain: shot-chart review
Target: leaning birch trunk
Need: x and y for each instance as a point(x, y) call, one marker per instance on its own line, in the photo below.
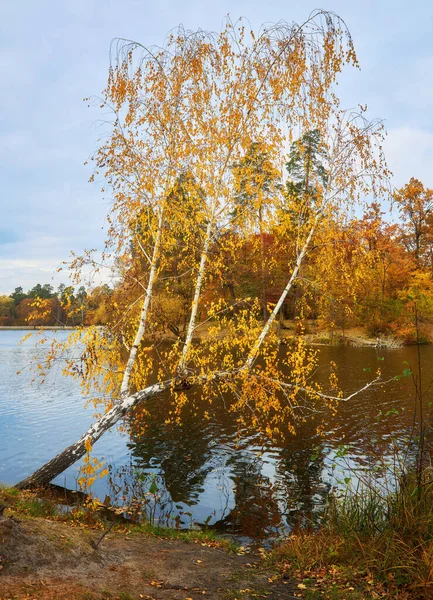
point(70, 455)
point(197, 292)
point(255, 350)
point(74, 452)
point(124, 388)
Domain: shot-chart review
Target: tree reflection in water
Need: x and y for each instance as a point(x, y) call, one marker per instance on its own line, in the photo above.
point(256, 512)
point(252, 487)
point(238, 483)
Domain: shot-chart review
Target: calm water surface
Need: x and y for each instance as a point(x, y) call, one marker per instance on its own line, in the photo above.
point(202, 471)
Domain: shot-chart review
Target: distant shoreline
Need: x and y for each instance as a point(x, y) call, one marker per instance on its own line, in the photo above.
point(35, 328)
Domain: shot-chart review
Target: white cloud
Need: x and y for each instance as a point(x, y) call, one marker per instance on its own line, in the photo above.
point(24, 273)
point(18, 272)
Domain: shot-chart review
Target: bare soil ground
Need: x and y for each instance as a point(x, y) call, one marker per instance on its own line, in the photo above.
point(44, 559)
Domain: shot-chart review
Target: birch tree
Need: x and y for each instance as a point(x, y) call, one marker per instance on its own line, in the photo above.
point(188, 112)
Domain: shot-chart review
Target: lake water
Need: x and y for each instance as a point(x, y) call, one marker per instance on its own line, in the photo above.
point(202, 472)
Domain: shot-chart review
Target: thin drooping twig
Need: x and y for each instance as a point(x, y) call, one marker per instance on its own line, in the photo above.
point(375, 382)
point(101, 537)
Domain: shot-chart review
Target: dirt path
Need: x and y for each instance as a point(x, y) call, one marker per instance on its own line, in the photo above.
point(43, 559)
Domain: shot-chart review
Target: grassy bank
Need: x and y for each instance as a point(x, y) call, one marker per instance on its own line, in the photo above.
point(44, 503)
point(368, 547)
point(49, 554)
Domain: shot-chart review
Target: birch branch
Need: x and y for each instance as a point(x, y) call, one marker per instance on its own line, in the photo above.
point(375, 382)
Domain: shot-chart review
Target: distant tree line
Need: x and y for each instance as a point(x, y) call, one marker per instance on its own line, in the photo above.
point(380, 276)
point(65, 306)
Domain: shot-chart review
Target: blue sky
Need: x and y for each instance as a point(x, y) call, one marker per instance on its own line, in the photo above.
point(54, 53)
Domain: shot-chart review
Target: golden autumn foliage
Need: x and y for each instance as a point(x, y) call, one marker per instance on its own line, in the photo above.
point(194, 161)
point(228, 153)
point(415, 204)
point(6, 309)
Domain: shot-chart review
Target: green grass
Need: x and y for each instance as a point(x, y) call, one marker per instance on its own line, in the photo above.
point(27, 503)
point(125, 596)
point(37, 507)
point(335, 593)
point(8, 493)
point(30, 503)
point(376, 545)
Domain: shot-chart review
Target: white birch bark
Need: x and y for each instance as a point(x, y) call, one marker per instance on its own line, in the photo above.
point(253, 354)
point(124, 389)
point(197, 291)
point(70, 455)
point(74, 452)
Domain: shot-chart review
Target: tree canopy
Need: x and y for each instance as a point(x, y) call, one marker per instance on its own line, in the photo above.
point(192, 158)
